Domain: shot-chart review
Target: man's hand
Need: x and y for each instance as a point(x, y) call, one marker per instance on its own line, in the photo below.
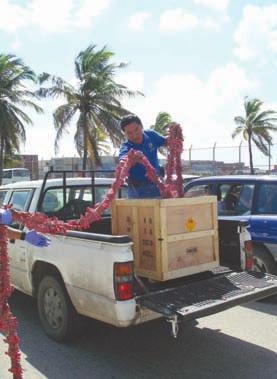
point(5, 216)
point(37, 239)
point(138, 155)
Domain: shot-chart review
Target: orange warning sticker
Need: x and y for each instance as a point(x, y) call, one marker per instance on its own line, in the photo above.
point(190, 224)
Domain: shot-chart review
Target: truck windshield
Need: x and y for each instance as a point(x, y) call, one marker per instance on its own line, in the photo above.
point(78, 198)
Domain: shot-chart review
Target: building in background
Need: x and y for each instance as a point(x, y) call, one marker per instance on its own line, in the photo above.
point(109, 163)
point(30, 162)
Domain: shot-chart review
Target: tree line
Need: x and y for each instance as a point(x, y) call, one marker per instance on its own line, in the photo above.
point(95, 101)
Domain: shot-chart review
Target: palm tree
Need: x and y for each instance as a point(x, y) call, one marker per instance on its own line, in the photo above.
point(14, 74)
point(255, 127)
point(103, 146)
point(160, 126)
point(94, 99)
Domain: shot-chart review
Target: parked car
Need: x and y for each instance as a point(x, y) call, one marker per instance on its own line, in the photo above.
point(189, 177)
point(254, 198)
point(186, 177)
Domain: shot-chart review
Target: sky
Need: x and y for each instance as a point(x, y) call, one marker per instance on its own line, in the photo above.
point(195, 59)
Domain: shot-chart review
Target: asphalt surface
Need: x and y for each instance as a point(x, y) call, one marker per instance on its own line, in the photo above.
point(238, 343)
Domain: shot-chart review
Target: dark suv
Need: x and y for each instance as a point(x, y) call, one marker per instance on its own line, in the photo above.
point(255, 199)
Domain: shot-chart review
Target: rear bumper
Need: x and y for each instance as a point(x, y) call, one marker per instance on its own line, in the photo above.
point(118, 313)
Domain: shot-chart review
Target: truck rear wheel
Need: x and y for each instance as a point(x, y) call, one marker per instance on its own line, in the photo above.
point(58, 317)
point(263, 261)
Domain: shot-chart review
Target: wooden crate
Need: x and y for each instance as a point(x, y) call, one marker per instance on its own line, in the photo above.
point(172, 237)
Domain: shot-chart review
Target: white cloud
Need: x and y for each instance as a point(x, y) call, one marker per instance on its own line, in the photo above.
point(51, 15)
point(134, 80)
point(87, 11)
point(12, 16)
point(256, 35)
point(211, 24)
point(136, 21)
point(204, 108)
point(177, 19)
point(217, 5)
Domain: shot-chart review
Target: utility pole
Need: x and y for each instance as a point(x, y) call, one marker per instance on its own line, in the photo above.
point(214, 162)
point(269, 157)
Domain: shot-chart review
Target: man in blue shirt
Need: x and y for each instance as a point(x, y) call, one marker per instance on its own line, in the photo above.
point(146, 142)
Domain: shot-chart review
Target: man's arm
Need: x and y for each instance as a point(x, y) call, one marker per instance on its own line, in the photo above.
point(123, 151)
point(14, 234)
point(33, 237)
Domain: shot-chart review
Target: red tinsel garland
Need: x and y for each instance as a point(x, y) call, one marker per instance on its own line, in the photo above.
point(8, 322)
point(41, 223)
point(175, 143)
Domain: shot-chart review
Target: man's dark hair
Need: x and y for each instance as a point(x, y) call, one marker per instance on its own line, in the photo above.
point(126, 120)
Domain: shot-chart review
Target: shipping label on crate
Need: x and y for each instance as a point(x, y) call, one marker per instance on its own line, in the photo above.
point(191, 252)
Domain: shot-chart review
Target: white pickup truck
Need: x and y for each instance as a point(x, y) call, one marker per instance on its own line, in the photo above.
point(91, 273)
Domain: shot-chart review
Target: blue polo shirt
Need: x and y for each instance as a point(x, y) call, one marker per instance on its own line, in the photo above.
point(149, 146)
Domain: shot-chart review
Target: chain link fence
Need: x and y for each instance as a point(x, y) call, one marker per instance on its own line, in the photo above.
point(218, 160)
point(213, 160)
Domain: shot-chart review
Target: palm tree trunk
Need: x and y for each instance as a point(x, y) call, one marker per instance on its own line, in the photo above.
point(85, 156)
point(250, 156)
point(1, 157)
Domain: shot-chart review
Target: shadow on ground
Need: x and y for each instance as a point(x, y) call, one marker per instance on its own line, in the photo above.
point(264, 306)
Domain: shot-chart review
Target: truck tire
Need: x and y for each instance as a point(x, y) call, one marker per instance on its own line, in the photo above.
point(263, 260)
point(58, 317)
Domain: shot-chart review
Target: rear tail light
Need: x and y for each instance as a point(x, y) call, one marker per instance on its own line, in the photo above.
point(249, 263)
point(123, 280)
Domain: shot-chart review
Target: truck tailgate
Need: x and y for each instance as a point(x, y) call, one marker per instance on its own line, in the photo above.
point(209, 296)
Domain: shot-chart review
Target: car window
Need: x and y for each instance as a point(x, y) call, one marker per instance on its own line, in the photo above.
point(235, 198)
point(52, 200)
point(21, 173)
point(245, 201)
point(123, 192)
point(77, 200)
point(199, 190)
point(20, 200)
point(267, 198)
point(7, 174)
point(232, 198)
point(2, 197)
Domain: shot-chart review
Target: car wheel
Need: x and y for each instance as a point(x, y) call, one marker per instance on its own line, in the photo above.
point(263, 261)
point(56, 312)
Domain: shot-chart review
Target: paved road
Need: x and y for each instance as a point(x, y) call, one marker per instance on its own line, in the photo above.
point(238, 343)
